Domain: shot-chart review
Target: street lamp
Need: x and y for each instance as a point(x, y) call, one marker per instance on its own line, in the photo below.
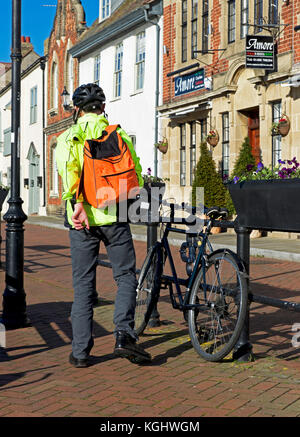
point(14, 297)
point(66, 100)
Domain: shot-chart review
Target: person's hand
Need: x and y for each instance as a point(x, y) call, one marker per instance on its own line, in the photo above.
point(79, 218)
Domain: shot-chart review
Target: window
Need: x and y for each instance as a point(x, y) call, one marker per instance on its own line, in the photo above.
point(118, 70)
point(276, 139)
point(205, 25)
point(273, 12)
point(70, 86)
point(244, 18)
point(33, 105)
point(54, 85)
point(192, 152)
point(194, 27)
point(133, 140)
point(97, 61)
point(182, 155)
point(231, 21)
point(203, 129)
point(225, 144)
point(184, 31)
point(140, 61)
point(7, 142)
point(54, 173)
point(105, 9)
point(258, 14)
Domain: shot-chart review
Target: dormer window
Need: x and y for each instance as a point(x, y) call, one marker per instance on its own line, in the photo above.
point(104, 9)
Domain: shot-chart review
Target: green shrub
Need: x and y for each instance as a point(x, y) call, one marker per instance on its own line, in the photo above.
point(207, 176)
point(245, 162)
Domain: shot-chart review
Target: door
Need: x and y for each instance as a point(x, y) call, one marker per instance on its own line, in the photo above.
point(253, 134)
point(34, 191)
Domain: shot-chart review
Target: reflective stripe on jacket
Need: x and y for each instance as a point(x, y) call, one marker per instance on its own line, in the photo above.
point(69, 159)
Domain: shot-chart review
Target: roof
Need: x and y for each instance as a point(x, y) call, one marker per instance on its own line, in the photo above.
point(130, 13)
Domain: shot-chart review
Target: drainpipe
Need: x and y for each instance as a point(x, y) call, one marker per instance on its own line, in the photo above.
point(157, 83)
point(43, 65)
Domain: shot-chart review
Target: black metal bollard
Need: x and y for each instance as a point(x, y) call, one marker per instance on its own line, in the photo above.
point(243, 348)
point(152, 228)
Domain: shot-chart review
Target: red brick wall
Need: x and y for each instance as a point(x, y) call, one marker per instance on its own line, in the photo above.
point(219, 63)
point(59, 47)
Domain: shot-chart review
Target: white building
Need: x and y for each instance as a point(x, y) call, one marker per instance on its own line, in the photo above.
point(120, 54)
point(32, 157)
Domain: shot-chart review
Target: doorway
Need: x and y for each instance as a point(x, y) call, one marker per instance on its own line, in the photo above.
point(34, 191)
point(253, 133)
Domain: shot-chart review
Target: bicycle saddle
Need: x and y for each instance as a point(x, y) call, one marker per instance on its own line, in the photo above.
point(216, 212)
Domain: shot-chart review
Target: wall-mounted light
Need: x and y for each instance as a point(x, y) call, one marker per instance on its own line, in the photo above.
point(66, 100)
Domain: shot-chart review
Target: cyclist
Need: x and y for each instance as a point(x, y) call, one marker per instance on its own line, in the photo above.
point(90, 226)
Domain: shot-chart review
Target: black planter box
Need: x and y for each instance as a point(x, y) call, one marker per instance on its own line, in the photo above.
point(149, 185)
point(271, 205)
point(3, 194)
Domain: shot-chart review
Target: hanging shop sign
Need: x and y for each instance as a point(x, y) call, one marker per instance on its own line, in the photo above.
point(189, 83)
point(260, 52)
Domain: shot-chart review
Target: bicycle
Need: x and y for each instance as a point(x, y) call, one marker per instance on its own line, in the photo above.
point(215, 300)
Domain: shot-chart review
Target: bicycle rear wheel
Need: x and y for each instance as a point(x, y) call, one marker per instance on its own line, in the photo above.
point(147, 290)
point(222, 293)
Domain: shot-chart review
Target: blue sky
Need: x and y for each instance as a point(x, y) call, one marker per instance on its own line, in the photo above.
point(37, 21)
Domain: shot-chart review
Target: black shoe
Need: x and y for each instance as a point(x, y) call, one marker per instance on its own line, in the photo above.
point(154, 322)
point(78, 362)
point(126, 347)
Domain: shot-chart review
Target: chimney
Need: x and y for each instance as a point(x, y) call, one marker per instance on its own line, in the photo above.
point(26, 45)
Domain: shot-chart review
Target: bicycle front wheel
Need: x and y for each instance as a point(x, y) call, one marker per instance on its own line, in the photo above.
point(147, 289)
point(220, 293)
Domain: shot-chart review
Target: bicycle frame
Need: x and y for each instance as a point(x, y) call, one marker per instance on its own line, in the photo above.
point(199, 263)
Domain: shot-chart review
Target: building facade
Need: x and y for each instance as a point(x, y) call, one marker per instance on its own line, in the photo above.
point(123, 54)
point(62, 74)
point(32, 151)
point(208, 86)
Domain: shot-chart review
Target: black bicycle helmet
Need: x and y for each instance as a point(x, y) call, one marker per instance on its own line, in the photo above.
point(88, 93)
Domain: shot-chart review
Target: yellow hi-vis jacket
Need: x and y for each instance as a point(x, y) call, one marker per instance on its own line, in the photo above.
point(69, 159)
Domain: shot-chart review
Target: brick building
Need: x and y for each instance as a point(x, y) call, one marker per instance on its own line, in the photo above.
point(208, 87)
point(69, 24)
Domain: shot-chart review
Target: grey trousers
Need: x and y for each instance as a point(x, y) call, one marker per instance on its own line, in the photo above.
point(85, 245)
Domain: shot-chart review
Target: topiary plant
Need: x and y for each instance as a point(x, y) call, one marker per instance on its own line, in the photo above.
point(245, 162)
point(206, 176)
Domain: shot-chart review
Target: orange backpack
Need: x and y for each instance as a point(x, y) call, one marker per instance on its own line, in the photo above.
point(108, 172)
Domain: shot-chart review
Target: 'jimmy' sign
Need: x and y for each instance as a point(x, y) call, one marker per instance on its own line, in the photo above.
point(259, 52)
point(189, 83)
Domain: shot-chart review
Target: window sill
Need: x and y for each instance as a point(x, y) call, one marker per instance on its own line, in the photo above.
point(137, 92)
point(115, 99)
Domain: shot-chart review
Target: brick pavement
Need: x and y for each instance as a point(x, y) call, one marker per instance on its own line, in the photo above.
point(36, 379)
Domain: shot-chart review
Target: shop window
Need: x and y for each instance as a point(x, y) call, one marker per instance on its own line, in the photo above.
point(192, 152)
point(205, 32)
point(258, 15)
point(225, 144)
point(118, 70)
point(244, 17)
point(194, 37)
point(184, 31)
point(276, 139)
point(231, 21)
point(140, 60)
point(203, 128)
point(182, 155)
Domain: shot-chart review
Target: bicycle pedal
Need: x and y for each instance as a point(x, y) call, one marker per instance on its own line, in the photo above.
point(163, 285)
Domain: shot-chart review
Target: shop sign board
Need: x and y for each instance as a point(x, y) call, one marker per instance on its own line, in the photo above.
point(260, 52)
point(189, 83)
